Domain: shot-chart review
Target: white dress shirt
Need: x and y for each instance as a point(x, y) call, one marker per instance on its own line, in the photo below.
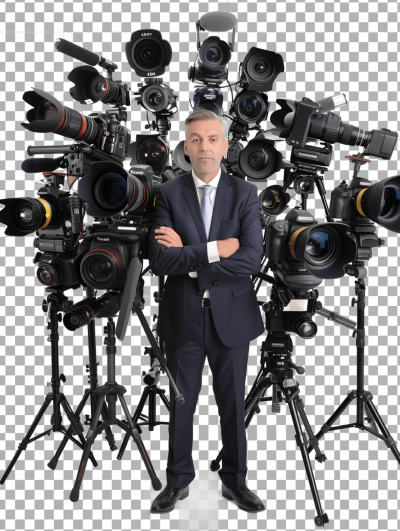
point(212, 249)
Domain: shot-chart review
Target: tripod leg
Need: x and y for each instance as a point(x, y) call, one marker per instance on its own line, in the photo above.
point(320, 457)
point(388, 440)
point(301, 441)
point(139, 443)
point(23, 444)
point(326, 427)
point(54, 460)
point(92, 434)
point(136, 415)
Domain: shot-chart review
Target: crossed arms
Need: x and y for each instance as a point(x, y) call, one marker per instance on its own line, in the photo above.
point(174, 258)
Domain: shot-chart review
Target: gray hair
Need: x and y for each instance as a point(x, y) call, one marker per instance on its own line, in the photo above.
point(206, 115)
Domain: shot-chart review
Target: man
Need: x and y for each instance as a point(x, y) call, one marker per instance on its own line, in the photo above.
point(207, 237)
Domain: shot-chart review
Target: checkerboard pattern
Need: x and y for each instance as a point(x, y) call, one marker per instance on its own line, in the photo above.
point(328, 48)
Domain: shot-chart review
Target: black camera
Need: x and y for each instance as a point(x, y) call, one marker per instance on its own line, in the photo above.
point(103, 130)
point(299, 242)
point(154, 96)
point(48, 215)
point(261, 68)
point(148, 53)
point(279, 319)
point(379, 202)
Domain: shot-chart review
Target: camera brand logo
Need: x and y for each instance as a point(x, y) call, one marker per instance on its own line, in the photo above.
point(102, 239)
point(146, 34)
point(136, 172)
point(305, 218)
point(366, 184)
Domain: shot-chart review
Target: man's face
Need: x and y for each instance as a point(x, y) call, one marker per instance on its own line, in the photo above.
point(205, 145)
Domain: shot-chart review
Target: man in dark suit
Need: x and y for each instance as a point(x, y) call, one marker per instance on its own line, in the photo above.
point(207, 237)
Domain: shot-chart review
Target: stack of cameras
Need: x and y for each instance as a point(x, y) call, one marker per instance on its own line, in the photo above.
point(300, 251)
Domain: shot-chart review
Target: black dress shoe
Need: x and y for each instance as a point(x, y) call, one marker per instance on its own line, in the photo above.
point(246, 500)
point(166, 500)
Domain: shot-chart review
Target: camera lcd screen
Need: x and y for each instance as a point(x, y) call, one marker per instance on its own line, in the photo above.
point(296, 305)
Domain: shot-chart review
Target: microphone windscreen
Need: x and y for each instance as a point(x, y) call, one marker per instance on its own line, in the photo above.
point(218, 21)
point(39, 165)
point(71, 49)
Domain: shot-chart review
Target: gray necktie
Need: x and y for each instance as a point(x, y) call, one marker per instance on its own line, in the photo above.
point(207, 207)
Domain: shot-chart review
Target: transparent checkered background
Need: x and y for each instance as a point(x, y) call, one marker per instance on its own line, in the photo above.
point(328, 48)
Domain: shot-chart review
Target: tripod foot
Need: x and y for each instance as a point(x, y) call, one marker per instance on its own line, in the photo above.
point(321, 520)
point(74, 496)
point(214, 465)
point(320, 458)
point(52, 464)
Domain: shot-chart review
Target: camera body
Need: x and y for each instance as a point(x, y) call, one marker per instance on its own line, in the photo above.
point(115, 137)
point(343, 204)
point(57, 242)
point(104, 256)
point(278, 233)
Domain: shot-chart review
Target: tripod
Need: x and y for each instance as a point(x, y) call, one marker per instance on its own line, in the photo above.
point(277, 371)
point(91, 392)
point(55, 302)
point(110, 391)
point(363, 397)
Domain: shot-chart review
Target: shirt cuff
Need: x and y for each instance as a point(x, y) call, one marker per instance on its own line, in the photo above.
point(193, 274)
point(212, 252)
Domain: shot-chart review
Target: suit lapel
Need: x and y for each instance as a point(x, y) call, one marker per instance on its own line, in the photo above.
point(190, 194)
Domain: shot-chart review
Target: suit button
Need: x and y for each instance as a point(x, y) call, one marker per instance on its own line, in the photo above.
point(199, 264)
point(191, 268)
point(201, 292)
point(211, 284)
point(219, 281)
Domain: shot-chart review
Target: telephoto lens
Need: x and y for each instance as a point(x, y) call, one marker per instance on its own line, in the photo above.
point(50, 116)
point(84, 311)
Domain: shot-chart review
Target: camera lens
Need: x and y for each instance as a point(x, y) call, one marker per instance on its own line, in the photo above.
point(148, 54)
point(110, 191)
point(259, 68)
point(48, 275)
point(322, 248)
point(250, 107)
point(100, 269)
point(305, 328)
point(152, 153)
point(46, 111)
point(259, 160)
point(154, 98)
point(390, 204)
point(215, 54)
point(305, 186)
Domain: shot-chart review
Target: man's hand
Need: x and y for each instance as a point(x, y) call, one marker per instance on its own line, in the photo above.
point(227, 247)
point(168, 237)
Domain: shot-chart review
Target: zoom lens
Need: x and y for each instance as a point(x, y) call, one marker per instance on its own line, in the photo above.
point(25, 215)
point(390, 204)
point(50, 116)
point(259, 159)
point(305, 327)
point(153, 153)
point(148, 54)
point(322, 248)
point(49, 275)
point(110, 191)
point(250, 107)
point(100, 269)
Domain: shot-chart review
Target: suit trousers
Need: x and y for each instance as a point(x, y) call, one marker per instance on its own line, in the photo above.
point(229, 369)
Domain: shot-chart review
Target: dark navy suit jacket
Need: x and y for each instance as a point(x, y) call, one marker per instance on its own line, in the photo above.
point(234, 306)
